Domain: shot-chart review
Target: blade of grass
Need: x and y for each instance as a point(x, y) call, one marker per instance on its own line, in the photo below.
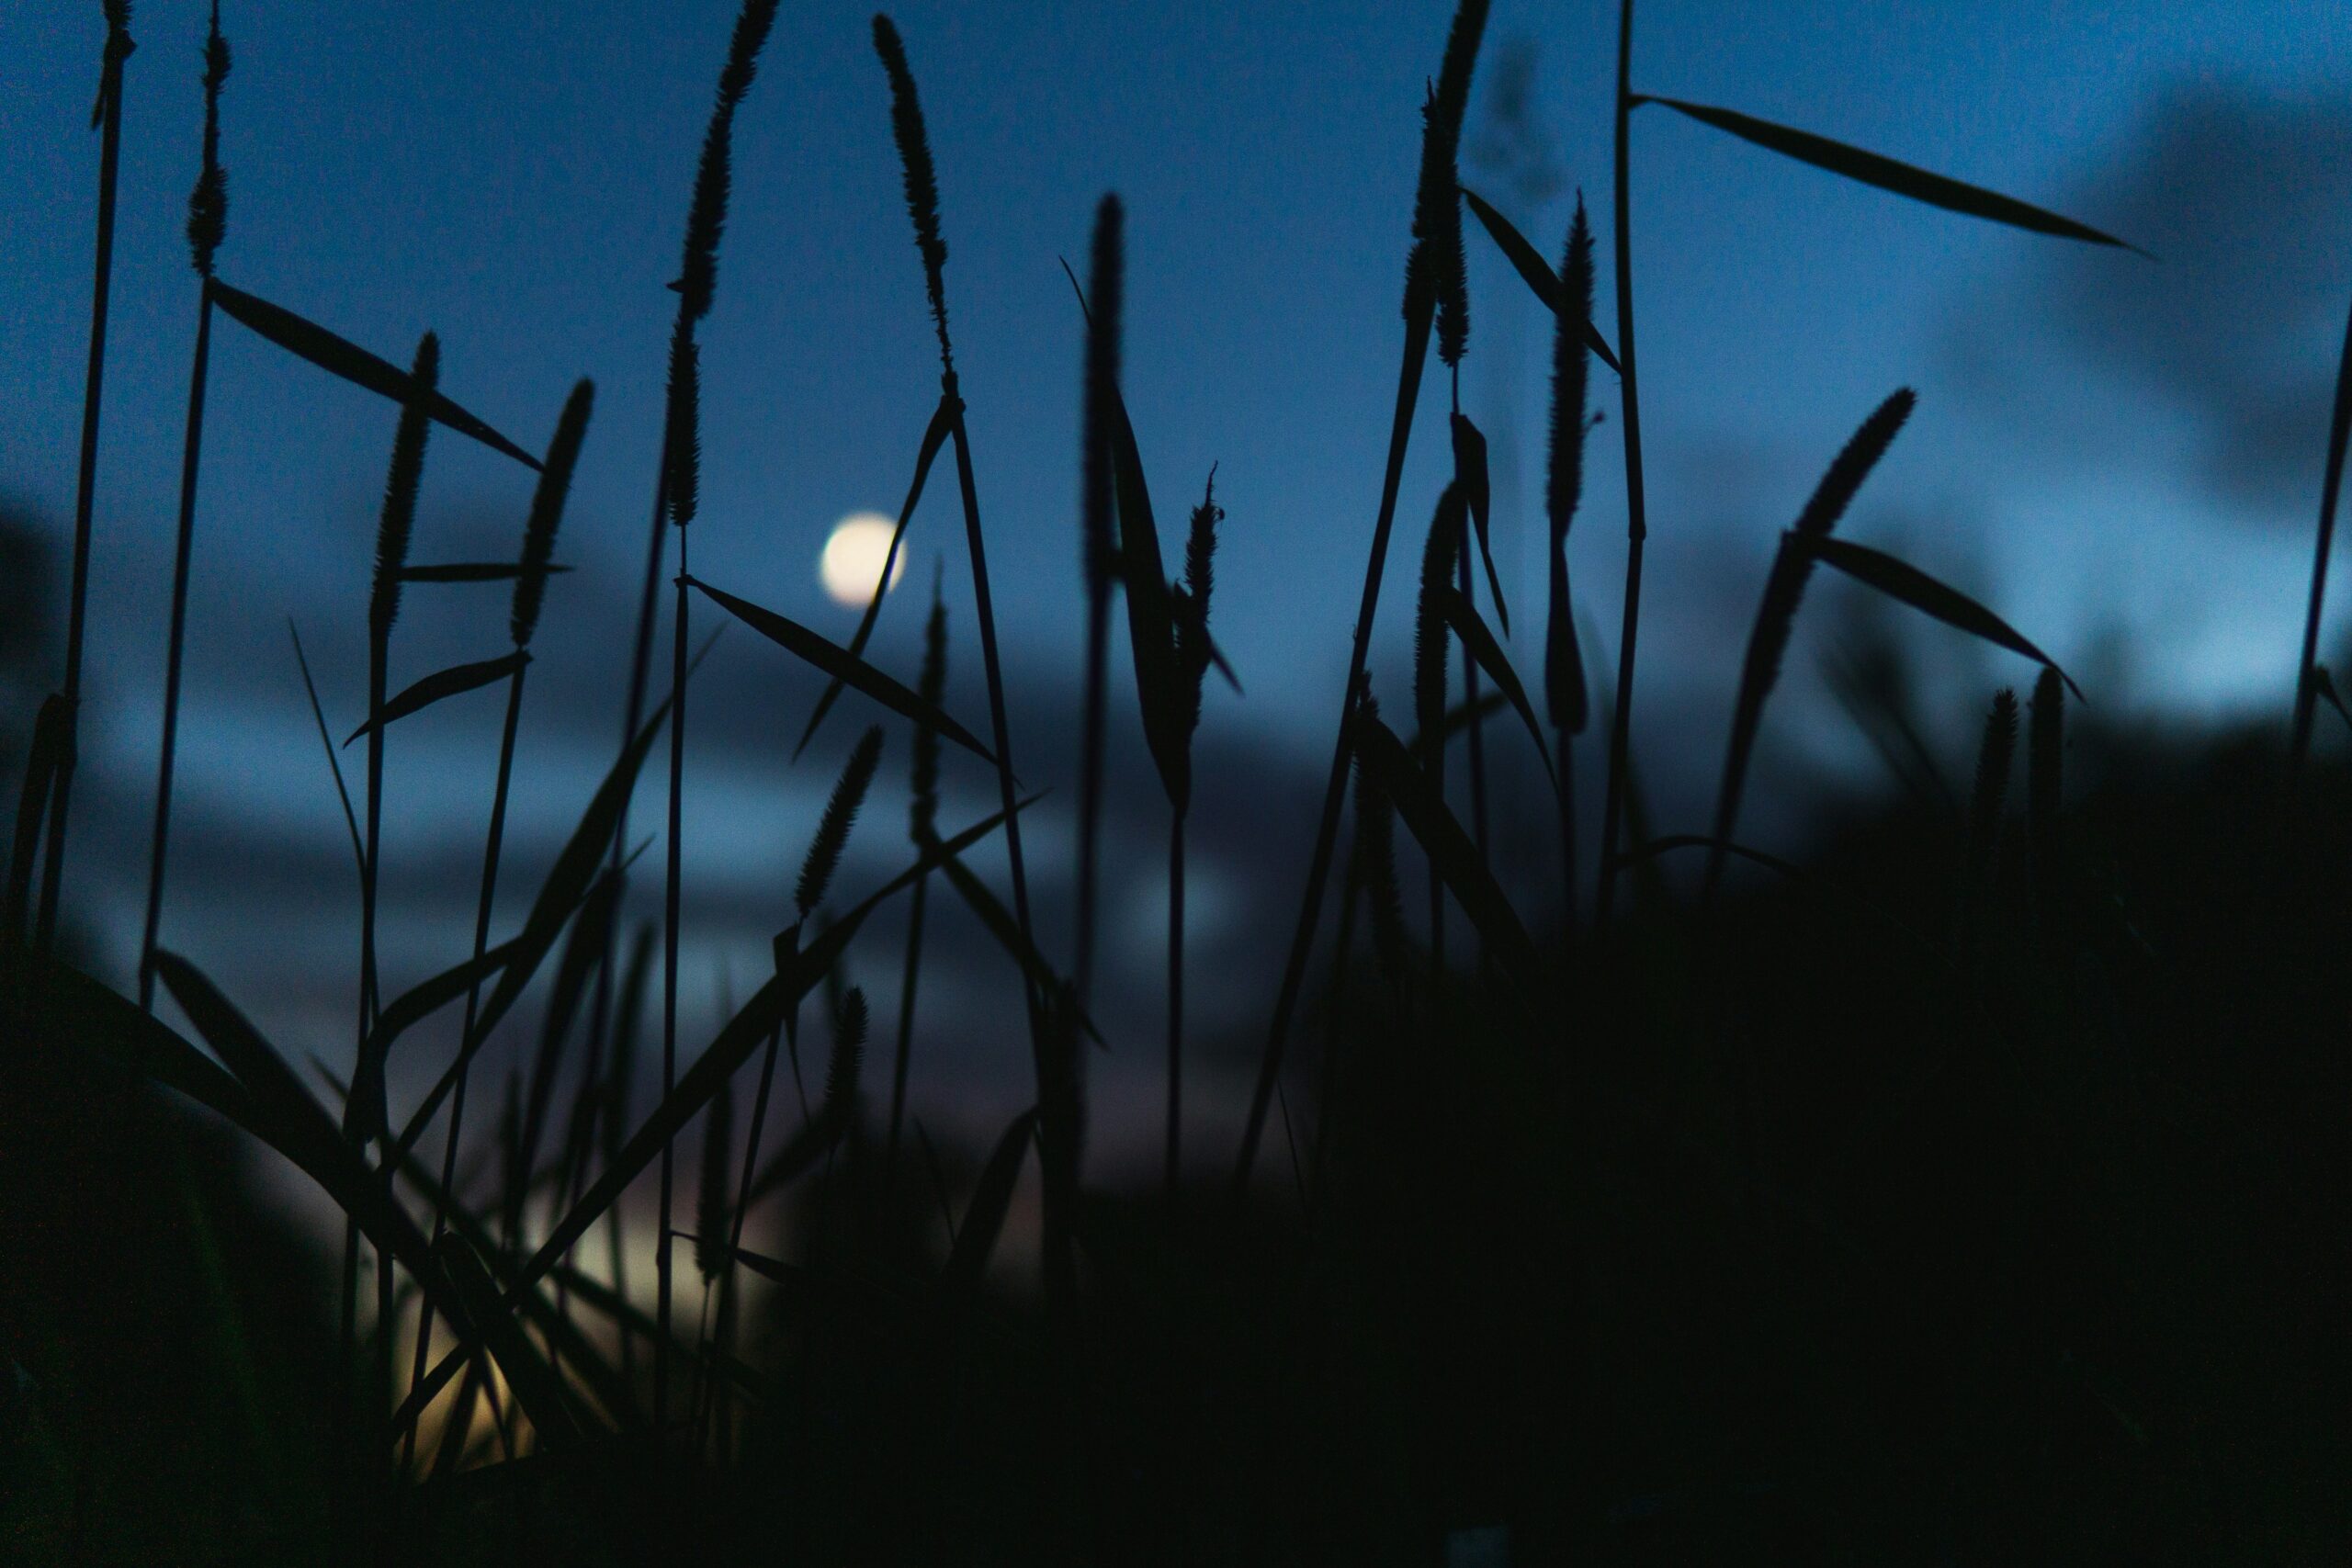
point(1106, 277)
point(934, 437)
point(472, 572)
point(2339, 433)
point(1898, 580)
point(326, 744)
point(959, 1281)
point(1620, 724)
point(340, 357)
point(1462, 617)
point(184, 546)
point(1451, 855)
point(860, 676)
point(1531, 265)
point(1419, 308)
point(207, 224)
point(52, 737)
point(922, 827)
point(564, 890)
point(304, 1134)
point(536, 1386)
point(1776, 616)
point(441, 685)
point(107, 118)
point(1887, 173)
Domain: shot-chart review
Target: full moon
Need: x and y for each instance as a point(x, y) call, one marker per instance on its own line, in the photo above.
point(852, 561)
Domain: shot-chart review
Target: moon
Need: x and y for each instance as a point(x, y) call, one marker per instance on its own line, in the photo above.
point(852, 558)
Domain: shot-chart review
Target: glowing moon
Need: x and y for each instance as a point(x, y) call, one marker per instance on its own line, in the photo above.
point(852, 561)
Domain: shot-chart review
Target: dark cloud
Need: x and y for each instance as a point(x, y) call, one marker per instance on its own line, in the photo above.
point(2246, 196)
point(1508, 140)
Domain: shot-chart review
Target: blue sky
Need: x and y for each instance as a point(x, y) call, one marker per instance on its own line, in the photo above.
point(2117, 453)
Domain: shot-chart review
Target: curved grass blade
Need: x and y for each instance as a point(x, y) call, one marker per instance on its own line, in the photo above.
point(984, 1215)
point(2323, 686)
point(443, 685)
point(1538, 273)
point(1899, 579)
point(1478, 489)
point(304, 1132)
point(564, 1336)
point(566, 888)
point(838, 663)
point(2339, 433)
point(416, 1005)
point(743, 1034)
point(340, 356)
point(76, 1010)
point(1151, 626)
point(1455, 858)
point(326, 744)
point(471, 572)
point(536, 1387)
point(943, 421)
point(53, 733)
point(1889, 174)
point(581, 950)
point(1001, 925)
point(1479, 642)
point(1767, 641)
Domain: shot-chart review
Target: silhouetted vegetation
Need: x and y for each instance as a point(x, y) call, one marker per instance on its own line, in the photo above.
point(1972, 1189)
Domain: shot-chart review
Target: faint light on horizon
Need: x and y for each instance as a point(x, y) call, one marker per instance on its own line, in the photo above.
point(852, 558)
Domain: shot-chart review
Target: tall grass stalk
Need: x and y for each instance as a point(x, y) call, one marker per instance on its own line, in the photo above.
point(1612, 805)
point(669, 902)
point(539, 531)
point(1105, 291)
point(1474, 743)
point(107, 117)
point(2339, 433)
point(1784, 594)
point(2045, 774)
point(1191, 605)
point(208, 217)
point(1441, 133)
point(616, 1119)
point(1567, 701)
point(817, 868)
point(676, 497)
point(922, 207)
point(923, 828)
point(1439, 552)
point(392, 533)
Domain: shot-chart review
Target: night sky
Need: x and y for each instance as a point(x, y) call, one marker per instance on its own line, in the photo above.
point(2121, 455)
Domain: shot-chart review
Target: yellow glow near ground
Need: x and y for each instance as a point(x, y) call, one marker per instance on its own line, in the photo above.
point(852, 561)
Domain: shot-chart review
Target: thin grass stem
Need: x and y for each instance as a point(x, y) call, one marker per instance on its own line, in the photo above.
point(191, 451)
point(1612, 804)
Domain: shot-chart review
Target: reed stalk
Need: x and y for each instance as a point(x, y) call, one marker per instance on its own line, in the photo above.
point(208, 216)
point(539, 531)
point(1439, 191)
point(1612, 804)
point(922, 830)
point(1105, 289)
point(107, 117)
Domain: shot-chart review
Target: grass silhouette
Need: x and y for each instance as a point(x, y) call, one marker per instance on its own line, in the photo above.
point(1954, 1193)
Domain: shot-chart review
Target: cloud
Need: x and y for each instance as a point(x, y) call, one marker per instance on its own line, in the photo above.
point(2246, 195)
